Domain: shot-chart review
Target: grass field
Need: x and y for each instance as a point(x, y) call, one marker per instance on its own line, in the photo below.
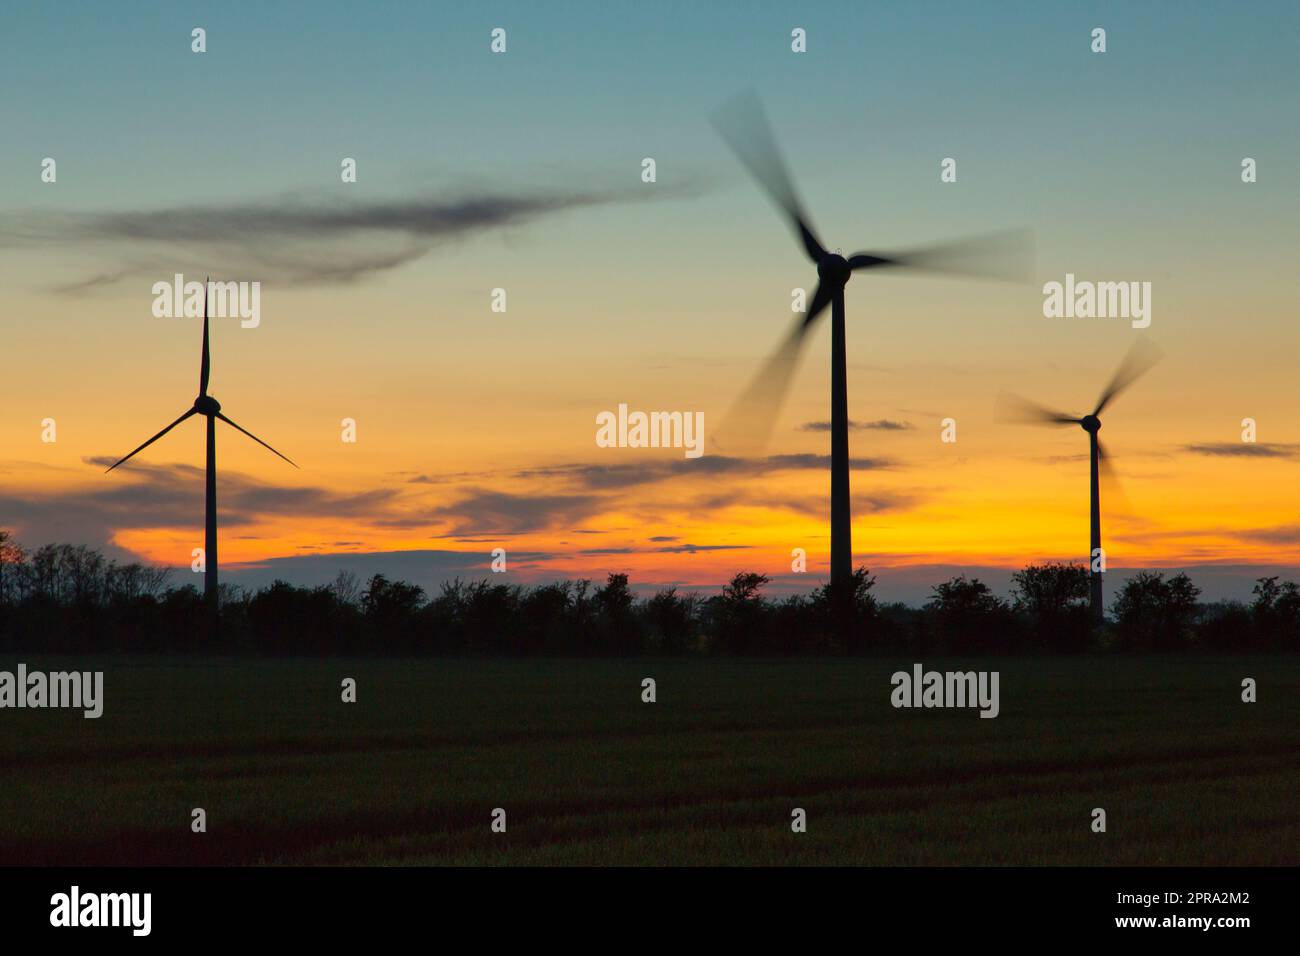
point(588, 774)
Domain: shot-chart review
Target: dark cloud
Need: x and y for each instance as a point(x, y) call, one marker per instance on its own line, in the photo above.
point(288, 240)
point(496, 512)
point(142, 494)
point(673, 549)
point(145, 495)
point(815, 507)
point(1281, 534)
point(428, 218)
point(586, 490)
point(693, 548)
point(243, 497)
point(403, 521)
point(880, 424)
point(818, 463)
point(630, 474)
point(1230, 449)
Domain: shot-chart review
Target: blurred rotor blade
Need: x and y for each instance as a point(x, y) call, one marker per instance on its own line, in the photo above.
point(1114, 493)
point(205, 365)
point(748, 424)
point(1136, 363)
point(254, 437)
point(1012, 408)
point(151, 440)
point(1002, 256)
point(743, 124)
point(821, 298)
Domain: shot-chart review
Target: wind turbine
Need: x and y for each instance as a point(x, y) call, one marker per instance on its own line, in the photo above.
point(210, 408)
point(742, 124)
point(1139, 359)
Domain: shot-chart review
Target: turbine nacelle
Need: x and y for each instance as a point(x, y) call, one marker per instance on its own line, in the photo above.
point(207, 405)
point(833, 269)
point(1091, 424)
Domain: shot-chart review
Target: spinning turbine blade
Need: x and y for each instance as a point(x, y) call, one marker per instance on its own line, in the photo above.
point(754, 413)
point(151, 440)
point(1135, 364)
point(821, 298)
point(205, 367)
point(254, 437)
point(743, 124)
point(1114, 489)
point(1002, 256)
point(1015, 408)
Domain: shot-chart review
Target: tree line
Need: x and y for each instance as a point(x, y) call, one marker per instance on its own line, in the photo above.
point(65, 598)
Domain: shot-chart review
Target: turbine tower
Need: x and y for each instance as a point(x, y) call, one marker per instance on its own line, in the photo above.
point(744, 126)
point(210, 408)
point(1135, 364)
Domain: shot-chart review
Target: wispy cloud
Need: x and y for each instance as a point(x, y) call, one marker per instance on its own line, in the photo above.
point(1230, 449)
point(469, 508)
point(288, 240)
point(817, 508)
point(674, 549)
point(880, 424)
point(1277, 535)
point(631, 474)
point(143, 495)
point(497, 512)
point(569, 494)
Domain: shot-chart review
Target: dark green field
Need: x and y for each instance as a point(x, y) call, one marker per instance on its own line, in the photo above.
point(588, 774)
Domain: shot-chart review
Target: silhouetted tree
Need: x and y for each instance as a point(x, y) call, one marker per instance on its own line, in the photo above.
point(62, 599)
point(967, 616)
point(284, 619)
point(544, 619)
point(126, 583)
point(1153, 613)
point(346, 588)
point(491, 612)
point(390, 612)
point(1054, 601)
point(1276, 613)
point(737, 614)
point(672, 621)
point(863, 625)
point(11, 557)
point(619, 632)
point(1226, 625)
point(184, 618)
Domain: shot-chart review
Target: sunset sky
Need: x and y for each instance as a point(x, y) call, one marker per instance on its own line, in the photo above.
point(522, 171)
